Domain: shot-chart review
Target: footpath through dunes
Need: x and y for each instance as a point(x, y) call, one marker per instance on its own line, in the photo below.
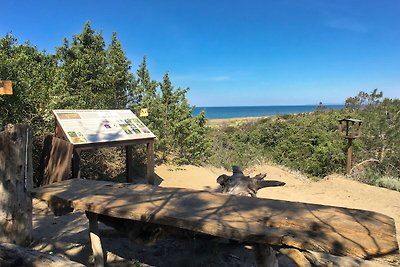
point(334, 190)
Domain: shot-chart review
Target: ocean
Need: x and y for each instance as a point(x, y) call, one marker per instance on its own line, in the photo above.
point(256, 111)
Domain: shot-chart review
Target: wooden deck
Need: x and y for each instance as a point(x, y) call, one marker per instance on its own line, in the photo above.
point(333, 230)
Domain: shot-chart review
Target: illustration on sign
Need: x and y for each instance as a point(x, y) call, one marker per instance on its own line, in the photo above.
point(94, 126)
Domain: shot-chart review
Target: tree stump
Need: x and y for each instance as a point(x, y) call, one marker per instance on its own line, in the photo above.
point(15, 181)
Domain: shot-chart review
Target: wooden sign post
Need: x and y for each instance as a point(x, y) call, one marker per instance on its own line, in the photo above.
point(6, 87)
point(16, 181)
point(351, 130)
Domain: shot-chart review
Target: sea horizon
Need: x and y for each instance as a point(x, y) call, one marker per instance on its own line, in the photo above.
point(228, 112)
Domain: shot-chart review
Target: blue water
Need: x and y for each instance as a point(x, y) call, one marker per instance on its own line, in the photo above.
point(255, 111)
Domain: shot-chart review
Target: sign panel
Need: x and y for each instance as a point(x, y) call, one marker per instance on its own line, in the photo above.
point(5, 87)
point(96, 126)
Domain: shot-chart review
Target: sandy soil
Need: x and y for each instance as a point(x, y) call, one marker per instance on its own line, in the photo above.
point(68, 234)
point(233, 121)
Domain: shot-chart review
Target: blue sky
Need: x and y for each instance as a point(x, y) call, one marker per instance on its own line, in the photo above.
point(236, 52)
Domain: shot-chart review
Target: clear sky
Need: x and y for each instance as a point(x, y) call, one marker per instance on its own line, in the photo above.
point(236, 52)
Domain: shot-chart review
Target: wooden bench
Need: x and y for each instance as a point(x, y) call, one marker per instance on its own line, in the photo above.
point(328, 229)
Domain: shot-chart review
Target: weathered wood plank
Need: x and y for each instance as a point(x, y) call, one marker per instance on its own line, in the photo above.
point(334, 230)
point(129, 163)
point(15, 181)
point(322, 259)
point(56, 160)
point(76, 169)
point(150, 162)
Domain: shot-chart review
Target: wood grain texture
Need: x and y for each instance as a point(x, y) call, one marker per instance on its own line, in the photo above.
point(15, 181)
point(150, 162)
point(56, 160)
point(95, 240)
point(129, 163)
point(328, 229)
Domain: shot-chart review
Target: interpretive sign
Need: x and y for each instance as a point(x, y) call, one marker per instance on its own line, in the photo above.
point(6, 87)
point(98, 126)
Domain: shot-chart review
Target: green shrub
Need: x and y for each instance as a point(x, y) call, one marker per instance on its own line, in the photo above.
point(311, 142)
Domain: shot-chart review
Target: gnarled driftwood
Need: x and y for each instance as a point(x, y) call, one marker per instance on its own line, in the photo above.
point(241, 185)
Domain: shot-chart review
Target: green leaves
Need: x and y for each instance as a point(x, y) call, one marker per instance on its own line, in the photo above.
point(83, 64)
point(363, 100)
point(121, 80)
point(311, 143)
point(34, 86)
point(308, 143)
point(181, 138)
point(381, 136)
point(85, 74)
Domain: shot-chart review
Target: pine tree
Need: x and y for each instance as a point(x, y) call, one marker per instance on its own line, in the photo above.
point(83, 64)
point(168, 117)
point(120, 78)
point(145, 90)
point(364, 100)
point(144, 95)
point(183, 138)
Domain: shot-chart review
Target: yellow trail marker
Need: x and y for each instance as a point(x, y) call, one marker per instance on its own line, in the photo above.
point(6, 87)
point(144, 112)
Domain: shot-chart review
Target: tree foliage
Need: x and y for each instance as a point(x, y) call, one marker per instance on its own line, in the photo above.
point(85, 74)
point(34, 86)
point(363, 100)
point(181, 137)
point(121, 80)
point(83, 65)
point(381, 136)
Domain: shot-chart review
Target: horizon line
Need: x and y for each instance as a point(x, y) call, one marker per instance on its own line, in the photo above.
point(294, 105)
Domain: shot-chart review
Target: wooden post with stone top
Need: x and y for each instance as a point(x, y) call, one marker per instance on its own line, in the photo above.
point(15, 184)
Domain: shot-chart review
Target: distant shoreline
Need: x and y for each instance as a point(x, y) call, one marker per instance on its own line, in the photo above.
point(234, 121)
point(240, 118)
point(246, 112)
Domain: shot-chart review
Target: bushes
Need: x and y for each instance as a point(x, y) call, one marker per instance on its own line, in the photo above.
point(312, 144)
point(307, 142)
point(238, 145)
point(381, 136)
